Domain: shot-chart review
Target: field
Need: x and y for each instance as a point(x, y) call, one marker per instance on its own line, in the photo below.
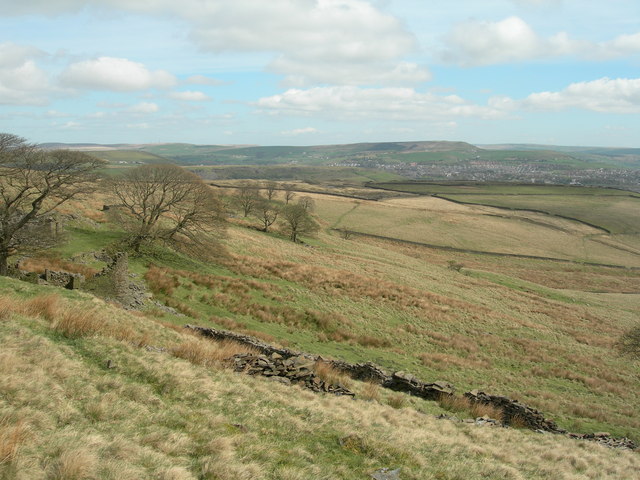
point(541, 331)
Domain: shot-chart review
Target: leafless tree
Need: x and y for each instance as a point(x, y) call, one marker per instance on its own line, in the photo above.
point(297, 222)
point(247, 197)
point(307, 203)
point(267, 213)
point(33, 183)
point(168, 203)
point(288, 194)
point(270, 188)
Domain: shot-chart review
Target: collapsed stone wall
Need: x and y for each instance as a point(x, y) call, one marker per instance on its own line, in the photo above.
point(515, 412)
point(397, 381)
point(292, 370)
point(275, 361)
point(54, 278)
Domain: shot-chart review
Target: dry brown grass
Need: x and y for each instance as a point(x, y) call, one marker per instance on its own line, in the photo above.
point(12, 436)
point(458, 404)
point(6, 308)
point(370, 391)
point(75, 464)
point(45, 306)
point(331, 375)
point(200, 351)
point(78, 323)
point(40, 264)
point(397, 400)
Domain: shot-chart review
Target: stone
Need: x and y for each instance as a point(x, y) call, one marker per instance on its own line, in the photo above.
point(386, 474)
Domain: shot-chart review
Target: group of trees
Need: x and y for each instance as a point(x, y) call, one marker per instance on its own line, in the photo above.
point(156, 202)
point(169, 204)
point(261, 203)
point(33, 182)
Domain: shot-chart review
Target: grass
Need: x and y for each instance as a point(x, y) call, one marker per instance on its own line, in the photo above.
point(64, 414)
point(540, 331)
point(615, 210)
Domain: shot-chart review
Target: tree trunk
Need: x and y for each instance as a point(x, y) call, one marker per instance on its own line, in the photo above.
point(4, 266)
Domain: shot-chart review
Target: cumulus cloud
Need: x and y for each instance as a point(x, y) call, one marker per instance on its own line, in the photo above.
point(353, 39)
point(116, 74)
point(22, 82)
point(476, 43)
point(190, 96)
point(389, 103)
point(606, 95)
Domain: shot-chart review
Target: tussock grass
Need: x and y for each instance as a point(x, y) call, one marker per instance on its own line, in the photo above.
point(13, 434)
point(40, 264)
point(331, 375)
point(462, 405)
point(205, 352)
point(370, 391)
point(156, 416)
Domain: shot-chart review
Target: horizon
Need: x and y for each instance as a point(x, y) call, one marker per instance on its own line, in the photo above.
point(321, 72)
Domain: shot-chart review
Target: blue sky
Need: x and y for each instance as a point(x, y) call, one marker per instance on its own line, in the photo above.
point(302, 72)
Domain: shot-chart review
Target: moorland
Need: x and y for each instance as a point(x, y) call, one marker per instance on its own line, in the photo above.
point(515, 289)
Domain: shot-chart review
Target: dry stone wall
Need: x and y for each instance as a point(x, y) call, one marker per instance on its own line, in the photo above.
point(288, 366)
point(292, 370)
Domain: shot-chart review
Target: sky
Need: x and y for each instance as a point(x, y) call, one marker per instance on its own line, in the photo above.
point(310, 72)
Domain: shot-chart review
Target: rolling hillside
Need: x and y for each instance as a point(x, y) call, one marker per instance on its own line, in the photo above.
point(134, 395)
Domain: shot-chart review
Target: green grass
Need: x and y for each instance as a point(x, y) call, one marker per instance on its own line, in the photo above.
point(155, 416)
point(528, 329)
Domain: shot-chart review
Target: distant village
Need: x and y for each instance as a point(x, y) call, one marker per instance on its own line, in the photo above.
point(481, 170)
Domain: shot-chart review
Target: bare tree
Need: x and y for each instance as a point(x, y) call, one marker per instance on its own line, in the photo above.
point(288, 194)
point(247, 197)
point(298, 222)
point(307, 203)
point(33, 183)
point(167, 202)
point(270, 189)
point(267, 213)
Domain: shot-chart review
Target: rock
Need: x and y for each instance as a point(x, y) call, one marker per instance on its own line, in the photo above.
point(386, 474)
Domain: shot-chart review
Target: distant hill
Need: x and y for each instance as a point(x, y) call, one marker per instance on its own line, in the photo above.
point(371, 155)
point(620, 157)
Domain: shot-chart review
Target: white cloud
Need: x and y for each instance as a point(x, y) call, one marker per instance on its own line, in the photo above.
point(620, 95)
point(22, 82)
point(476, 43)
point(116, 74)
point(203, 80)
point(359, 43)
point(299, 131)
point(144, 107)
point(190, 96)
point(388, 103)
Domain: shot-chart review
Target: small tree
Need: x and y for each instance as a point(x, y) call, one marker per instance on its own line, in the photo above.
point(168, 203)
point(270, 189)
point(267, 213)
point(297, 222)
point(247, 197)
point(33, 183)
point(307, 203)
point(288, 194)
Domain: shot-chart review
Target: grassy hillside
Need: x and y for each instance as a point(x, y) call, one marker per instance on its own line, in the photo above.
point(118, 157)
point(617, 211)
point(539, 331)
point(92, 392)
